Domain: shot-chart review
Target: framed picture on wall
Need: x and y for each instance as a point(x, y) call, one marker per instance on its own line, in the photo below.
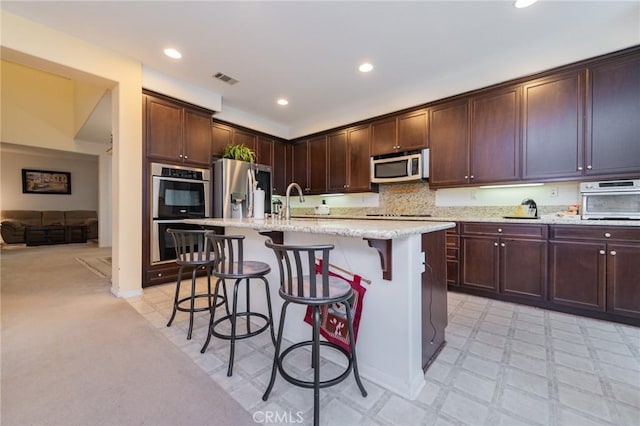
point(45, 182)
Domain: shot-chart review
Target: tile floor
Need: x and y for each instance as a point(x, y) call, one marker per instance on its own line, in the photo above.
point(504, 364)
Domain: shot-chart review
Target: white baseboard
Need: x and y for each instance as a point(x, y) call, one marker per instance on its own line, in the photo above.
point(126, 294)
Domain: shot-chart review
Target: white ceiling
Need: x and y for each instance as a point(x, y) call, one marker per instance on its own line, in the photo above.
point(308, 51)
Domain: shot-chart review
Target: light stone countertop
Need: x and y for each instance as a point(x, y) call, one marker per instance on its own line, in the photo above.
point(346, 227)
point(550, 219)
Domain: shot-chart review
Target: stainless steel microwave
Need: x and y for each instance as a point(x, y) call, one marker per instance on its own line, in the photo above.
point(402, 167)
point(618, 199)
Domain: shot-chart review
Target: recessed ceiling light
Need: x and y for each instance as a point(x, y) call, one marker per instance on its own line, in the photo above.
point(366, 67)
point(172, 53)
point(520, 4)
point(283, 102)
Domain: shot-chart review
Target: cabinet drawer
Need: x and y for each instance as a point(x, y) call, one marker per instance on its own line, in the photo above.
point(168, 272)
point(452, 253)
point(588, 232)
point(453, 231)
point(505, 229)
point(159, 274)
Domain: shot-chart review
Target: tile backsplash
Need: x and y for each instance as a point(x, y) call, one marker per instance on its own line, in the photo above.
point(418, 198)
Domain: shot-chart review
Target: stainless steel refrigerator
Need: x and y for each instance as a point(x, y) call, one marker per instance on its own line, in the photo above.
point(233, 187)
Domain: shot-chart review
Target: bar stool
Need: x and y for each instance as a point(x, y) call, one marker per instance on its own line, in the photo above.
point(193, 250)
point(314, 291)
point(230, 264)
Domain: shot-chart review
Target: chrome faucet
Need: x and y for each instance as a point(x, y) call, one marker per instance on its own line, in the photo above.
point(287, 203)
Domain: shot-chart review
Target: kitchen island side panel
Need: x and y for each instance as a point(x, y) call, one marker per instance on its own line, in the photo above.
point(434, 296)
point(389, 345)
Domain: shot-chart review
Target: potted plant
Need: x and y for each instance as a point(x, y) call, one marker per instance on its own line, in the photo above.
point(239, 152)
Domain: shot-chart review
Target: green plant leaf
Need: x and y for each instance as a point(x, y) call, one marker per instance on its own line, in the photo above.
point(239, 152)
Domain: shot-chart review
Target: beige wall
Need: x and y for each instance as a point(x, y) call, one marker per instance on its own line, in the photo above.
point(34, 45)
point(37, 107)
point(84, 179)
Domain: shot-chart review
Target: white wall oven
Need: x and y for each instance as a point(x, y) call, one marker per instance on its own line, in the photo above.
point(613, 199)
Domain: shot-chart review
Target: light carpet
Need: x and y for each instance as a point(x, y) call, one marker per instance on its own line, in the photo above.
point(72, 354)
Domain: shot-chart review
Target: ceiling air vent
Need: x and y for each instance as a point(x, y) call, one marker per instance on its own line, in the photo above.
point(223, 77)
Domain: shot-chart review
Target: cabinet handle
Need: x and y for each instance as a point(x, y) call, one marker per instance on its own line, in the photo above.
point(499, 229)
point(471, 176)
point(466, 177)
point(601, 251)
point(159, 274)
point(612, 252)
point(180, 156)
point(502, 244)
point(589, 167)
point(185, 157)
point(579, 168)
point(607, 235)
point(495, 244)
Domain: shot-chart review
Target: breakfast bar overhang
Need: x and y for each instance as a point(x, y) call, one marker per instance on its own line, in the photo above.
point(404, 313)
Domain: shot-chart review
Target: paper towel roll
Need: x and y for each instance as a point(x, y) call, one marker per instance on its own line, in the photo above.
point(258, 203)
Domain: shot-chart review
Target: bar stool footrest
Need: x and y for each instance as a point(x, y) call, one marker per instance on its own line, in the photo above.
point(310, 384)
point(197, 296)
point(243, 335)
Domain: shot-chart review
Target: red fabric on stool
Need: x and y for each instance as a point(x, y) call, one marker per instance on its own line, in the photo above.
point(333, 321)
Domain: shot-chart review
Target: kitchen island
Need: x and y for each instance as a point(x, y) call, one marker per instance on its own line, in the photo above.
point(405, 307)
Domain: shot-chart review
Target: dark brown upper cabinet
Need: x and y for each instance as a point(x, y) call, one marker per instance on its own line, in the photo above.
point(269, 150)
point(358, 159)
point(404, 132)
point(221, 136)
point(272, 152)
point(348, 160)
point(177, 133)
point(448, 139)
point(613, 117)
point(264, 150)
point(495, 137)
point(246, 138)
point(553, 135)
point(281, 167)
point(224, 134)
point(310, 165)
point(337, 161)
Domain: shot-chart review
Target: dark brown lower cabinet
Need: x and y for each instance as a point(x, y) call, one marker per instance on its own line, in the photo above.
point(504, 259)
point(596, 268)
point(623, 279)
point(577, 274)
point(523, 268)
point(588, 270)
point(479, 263)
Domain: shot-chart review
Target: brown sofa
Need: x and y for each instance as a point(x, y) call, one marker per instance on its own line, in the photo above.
point(14, 222)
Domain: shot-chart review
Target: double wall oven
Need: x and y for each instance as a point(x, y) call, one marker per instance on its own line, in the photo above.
point(177, 192)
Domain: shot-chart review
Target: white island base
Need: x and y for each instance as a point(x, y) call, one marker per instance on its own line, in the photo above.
point(397, 337)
